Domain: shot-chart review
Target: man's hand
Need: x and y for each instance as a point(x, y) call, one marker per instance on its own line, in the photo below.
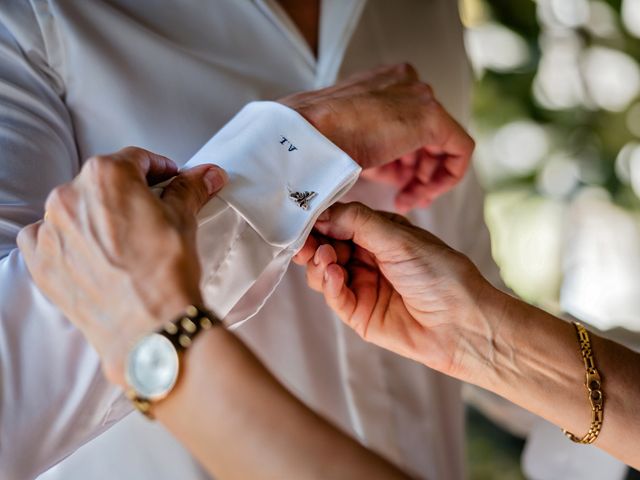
point(117, 260)
point(401, 288)
point(393, 126)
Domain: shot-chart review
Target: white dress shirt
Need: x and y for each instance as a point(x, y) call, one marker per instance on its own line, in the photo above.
point(82, 77)
point(282, 174)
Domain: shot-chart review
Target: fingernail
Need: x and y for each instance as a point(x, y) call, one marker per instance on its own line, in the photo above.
point(316, 260)
point(324, 216)
point(214, 179)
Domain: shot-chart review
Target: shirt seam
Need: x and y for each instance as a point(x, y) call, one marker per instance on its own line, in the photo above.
point(214, 270)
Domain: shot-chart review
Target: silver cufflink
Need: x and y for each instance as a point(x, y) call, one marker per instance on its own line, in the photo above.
point(302, 199)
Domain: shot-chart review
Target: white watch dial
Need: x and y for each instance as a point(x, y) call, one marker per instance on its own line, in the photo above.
point(152, 367)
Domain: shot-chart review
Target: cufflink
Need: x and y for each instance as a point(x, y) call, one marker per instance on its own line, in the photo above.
point(302, 199)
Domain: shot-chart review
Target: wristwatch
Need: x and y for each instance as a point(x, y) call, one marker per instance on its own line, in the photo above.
point(153, 364)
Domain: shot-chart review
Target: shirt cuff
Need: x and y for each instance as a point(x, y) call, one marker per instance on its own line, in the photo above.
point(282, 171)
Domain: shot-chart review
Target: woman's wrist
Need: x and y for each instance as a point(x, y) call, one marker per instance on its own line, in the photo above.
point(483, 338)
point(534, 362)
point(505, 345)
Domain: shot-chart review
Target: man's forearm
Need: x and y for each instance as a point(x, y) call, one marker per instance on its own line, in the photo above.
point(536, 363)
point(241, 423)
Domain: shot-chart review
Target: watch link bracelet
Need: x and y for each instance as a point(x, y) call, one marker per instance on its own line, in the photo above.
point(153, 364)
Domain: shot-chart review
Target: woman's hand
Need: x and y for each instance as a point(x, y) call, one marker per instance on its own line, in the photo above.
point(402, 288)
point(390, 122)
point(117, 260)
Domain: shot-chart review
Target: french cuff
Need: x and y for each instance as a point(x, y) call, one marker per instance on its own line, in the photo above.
point(282, 174)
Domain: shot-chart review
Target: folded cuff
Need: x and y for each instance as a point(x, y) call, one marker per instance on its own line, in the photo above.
point(282, 171)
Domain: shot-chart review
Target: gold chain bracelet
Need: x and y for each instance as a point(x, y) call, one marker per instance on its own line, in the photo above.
point(594, 386)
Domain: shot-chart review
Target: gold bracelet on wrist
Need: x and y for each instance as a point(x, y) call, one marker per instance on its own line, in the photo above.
point(594, 387)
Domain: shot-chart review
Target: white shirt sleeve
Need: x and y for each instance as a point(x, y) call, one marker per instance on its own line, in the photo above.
point(53, 396)
point(282, 175)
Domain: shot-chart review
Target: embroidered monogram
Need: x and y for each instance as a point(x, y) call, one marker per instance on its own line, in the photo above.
point(285, 141)
point(302, 198)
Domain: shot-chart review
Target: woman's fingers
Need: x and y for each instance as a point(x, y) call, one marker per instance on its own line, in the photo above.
point(367, 228)
point(324, 256)
point(337, 294)
point(344, 251)
point(305, 254)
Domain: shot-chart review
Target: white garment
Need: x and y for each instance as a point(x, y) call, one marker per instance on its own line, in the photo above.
point(601, 266)
point(249, 233)
point(82, 77)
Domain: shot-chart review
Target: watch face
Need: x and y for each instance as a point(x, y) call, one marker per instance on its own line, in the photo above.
point(152, 367)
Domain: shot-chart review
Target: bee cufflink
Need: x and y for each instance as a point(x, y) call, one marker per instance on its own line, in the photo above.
point(302, 199)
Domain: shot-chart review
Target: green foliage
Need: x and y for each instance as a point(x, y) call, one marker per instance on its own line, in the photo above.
point(590, 134)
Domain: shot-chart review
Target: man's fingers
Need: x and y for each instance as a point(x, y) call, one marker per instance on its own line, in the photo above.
point(396, 173)
point(426, 166)
point(442, 181)
point(151, 167)
point(414, 195)
point(191, 189)
point(447, 139)
point(445, 134)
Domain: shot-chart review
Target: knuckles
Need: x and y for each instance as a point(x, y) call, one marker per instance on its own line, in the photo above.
point(48, 243)
point(26, 236)
point(96, 164)
point(359, 213)
point(61, 200)
point(104, 167)
point(423, 92)
point(404, 70)
point(134, 153)
point(470, 144)
point(184, 188)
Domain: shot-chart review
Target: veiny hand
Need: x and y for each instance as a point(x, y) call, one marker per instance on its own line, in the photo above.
point(393, 126)
point(401, 288)
point(117, 260)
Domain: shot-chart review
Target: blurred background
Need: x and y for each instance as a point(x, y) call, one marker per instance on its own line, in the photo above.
point(557, 120)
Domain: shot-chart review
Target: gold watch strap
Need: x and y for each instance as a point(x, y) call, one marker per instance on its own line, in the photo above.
point(184, 329)
point(181, 332)
point(141, 404)
point(594, 387)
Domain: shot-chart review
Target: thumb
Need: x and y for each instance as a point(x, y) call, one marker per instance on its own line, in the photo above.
point(377, 232)
point(191, 189)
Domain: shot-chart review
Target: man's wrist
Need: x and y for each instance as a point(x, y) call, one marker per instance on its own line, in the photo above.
point(114, 359)
point(320, 116)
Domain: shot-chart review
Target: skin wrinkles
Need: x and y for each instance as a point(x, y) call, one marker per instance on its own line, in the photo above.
point(451, 319)
point(133, 265)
